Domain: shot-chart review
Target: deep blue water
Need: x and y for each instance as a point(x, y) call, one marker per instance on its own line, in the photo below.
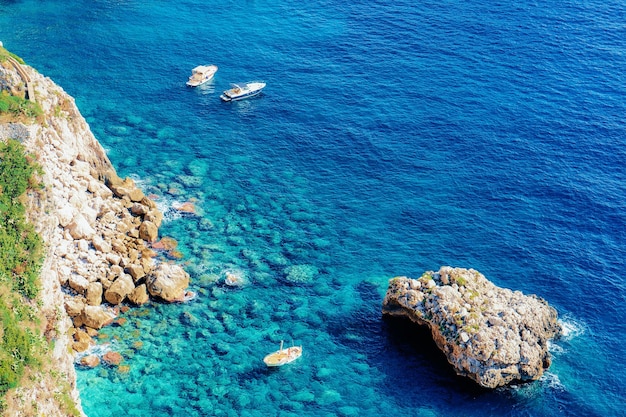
point(392, 138)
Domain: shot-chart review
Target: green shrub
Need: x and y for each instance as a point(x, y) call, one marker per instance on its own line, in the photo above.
point(19, 106)
point(4, 54)
point(21, 257)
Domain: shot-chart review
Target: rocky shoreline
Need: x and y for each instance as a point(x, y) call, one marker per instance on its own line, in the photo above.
point(489, 334)
point(100, 232)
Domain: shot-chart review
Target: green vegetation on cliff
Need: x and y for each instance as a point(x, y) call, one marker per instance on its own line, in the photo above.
point(14, 107)
point(21, 254)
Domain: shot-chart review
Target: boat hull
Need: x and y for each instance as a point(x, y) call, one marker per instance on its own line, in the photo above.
point(250, 90)
point(207, 72)
point(199, 83)
point(283, 356)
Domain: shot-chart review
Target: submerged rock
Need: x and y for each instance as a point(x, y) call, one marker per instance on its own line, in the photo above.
point(492, 335)
point(89, 361)
point(96, 317)
point(112, 358)
point(300, 274)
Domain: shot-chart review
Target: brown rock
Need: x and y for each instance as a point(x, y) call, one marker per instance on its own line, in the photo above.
point(148, 253)
point(119, 246)
point(147, 264)
point(168, 282)
point(139, 295)
point(147, 201)
point(136, 195)
point(154, 216)
point(106, 283)
point(135, 271)
point(74, 307)
point(125, 188)
point(113, 258)
point(82, 337)
point(90, 361)
point(116, 270)
point(139, 209)
point(101, 245)
point(96, 317)
point(148, 231)
point(80, 228)
point(120, 288)
point(166, 243)
point(187, 207)
point(133, 254)
point(79, 320)
point(78, 283)
point(112, 358)
point(94, 294)
point(80, 346)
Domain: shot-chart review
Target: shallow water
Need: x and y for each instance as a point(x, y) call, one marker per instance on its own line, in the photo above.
point(391, 139)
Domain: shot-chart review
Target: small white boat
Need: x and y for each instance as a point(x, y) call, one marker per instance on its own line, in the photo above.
point(240, 91)
point(201, 74)
point(283, 356)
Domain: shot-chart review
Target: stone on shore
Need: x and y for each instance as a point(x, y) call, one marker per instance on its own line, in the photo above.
point(94, 294)
point(492, 335)
point(120, 289)
point(74, 306)
point(96, 317)
point(80, 228)
point(139, 295)
point(89, 219)
point(168, 282)
point(148, 231)
point(90, 361)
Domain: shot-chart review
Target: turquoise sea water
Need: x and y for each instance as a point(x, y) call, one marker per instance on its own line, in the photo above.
point(392, 138)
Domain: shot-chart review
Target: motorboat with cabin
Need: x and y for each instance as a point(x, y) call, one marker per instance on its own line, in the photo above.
point(240, 91)
point(201, 74)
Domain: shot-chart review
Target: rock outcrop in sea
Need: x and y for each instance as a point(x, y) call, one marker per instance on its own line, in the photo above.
point(492, 335)
point(97, 227)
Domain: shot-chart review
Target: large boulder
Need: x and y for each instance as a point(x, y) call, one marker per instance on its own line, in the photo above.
point(78, 283)
point(168, 282)
point(139, 295)
point(96, 317)
point(80, 228)
point(124, 188)
point(148, 231)
point(74, 306)
point(89, 361)
point(492, 335)
point(120, 289)
point(94, 294)
point(136, 272)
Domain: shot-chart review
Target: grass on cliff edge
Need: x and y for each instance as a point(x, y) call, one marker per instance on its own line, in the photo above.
point(22, 345)
point(14, 107)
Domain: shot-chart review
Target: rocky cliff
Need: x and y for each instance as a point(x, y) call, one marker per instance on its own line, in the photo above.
point(492, 335)
point(97, 228)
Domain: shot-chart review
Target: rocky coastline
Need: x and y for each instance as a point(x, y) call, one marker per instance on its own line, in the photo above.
point(100, 232)
point(489, 334)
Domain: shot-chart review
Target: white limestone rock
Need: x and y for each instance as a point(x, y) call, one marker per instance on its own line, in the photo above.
point(80, 228)
point(120, 289)
point(78, 283)
point(492, 335)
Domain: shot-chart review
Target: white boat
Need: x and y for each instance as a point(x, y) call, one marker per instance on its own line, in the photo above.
point(201, 74)
point(239, 91)
point(283, 356)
